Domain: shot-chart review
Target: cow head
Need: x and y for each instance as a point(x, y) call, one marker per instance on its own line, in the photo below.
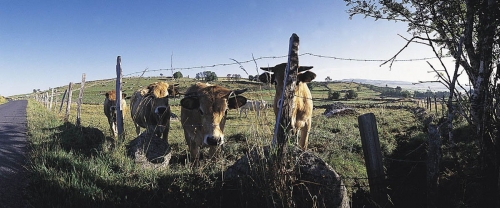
point(156, 103)
point(212, 104)
point(110, 104)
point(278, 74)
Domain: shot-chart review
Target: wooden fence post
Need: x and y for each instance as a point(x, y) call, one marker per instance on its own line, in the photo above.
point(68, 104)
point(62, 100)
point(435, 105)
point(373, 158)
point(282, 127)
point(80, 99)
point(433, 162)
point(119, 112)
point(51, 99)
point(429, 104)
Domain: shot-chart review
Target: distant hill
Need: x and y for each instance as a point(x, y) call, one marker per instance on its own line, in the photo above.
point(436, 86)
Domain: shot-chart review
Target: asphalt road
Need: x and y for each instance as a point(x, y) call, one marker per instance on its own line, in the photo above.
point(13, 149)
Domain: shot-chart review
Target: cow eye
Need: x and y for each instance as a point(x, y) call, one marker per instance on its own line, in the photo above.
point(201, 112)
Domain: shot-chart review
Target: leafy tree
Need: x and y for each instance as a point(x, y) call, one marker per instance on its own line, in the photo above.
point(328, 79)
point(406, 94)
point(236, 77)
point(200, 76)
point(209, 76)
point(451, 25)
point(351, 94)
point(177, 75)
point(399, 89)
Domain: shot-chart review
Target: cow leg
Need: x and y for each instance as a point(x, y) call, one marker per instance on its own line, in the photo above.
point(112, 126)
point(194, 151)
point(165, 137)
point(304, 135)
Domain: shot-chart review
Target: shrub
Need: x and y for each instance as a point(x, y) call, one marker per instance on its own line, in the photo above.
point(333, 95)
point(177, 75)
point(351, 94)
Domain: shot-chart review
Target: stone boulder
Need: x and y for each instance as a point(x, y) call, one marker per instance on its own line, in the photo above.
point(314, 183)
point(149, 150)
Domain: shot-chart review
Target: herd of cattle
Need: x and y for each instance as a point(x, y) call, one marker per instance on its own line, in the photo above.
point(204, 109)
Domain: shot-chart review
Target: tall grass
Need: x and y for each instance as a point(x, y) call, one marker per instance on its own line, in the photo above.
point(83, 166)
point(2, 100)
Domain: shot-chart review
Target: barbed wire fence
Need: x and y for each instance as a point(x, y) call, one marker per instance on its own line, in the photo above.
point(43, 96)
point(141, 73)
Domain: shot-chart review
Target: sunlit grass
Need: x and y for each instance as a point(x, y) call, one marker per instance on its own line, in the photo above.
point(67, 170)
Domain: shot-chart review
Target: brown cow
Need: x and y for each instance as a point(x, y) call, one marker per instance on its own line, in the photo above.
point(150, 109)
point(173, 91)
point(302, 112)
point(203, 116)
point(110, 109)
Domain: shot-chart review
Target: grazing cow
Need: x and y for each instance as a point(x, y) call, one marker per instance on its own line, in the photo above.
point(150, 109)
point(203, 116)
point(253, 105)
point(173, 91)
point(302, 112)
point(110, 109)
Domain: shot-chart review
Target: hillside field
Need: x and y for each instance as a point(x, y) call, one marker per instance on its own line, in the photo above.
point(83, 166)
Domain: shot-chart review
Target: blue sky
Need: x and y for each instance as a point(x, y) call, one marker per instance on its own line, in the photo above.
point(50, 43)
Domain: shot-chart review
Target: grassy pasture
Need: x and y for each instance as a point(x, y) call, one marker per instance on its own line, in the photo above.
point(82, 166)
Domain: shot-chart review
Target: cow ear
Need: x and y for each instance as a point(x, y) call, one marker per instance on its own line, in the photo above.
point(190, 103)
point(237, 92)
point(307, 76)
point(124, 95)
point(236, 102)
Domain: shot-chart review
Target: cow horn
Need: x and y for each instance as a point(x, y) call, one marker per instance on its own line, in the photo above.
point(304, 68)
point(270, 69)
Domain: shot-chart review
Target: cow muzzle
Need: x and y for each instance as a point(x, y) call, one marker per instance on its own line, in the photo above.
point(213, 140)
point(160, 110)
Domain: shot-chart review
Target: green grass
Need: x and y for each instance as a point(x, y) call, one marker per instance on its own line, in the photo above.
point(2, 100)
point(82, 166)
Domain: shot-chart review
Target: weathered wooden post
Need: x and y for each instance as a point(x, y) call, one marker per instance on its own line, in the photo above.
point(51, 99)
point(68, 104)
point(443, 104)
point(119, 112)
point(435, 105)
point(373, 158)
point(283, 120)
point(430, 104)
point(46, 99)
point(62, 100)
point(433, 162)
point(80, 99)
